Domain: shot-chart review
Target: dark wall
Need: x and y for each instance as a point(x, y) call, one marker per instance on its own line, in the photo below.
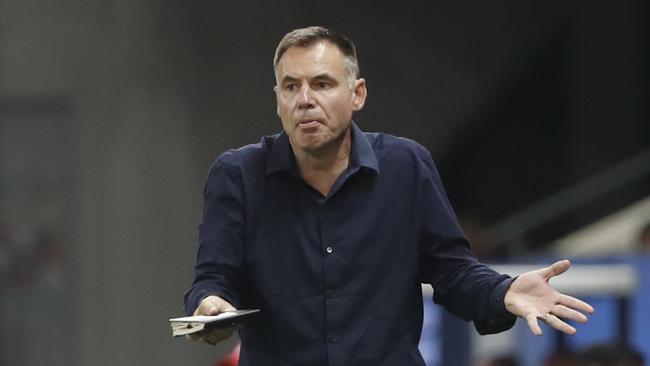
point(515, 101)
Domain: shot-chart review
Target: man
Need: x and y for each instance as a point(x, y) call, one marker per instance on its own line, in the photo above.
point(330, 231)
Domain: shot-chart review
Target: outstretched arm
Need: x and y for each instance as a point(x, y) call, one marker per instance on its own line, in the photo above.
point(531, 297)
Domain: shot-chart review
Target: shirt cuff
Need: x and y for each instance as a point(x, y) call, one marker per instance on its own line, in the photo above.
point(502, 319)
point(497, 299)
point(195, 295)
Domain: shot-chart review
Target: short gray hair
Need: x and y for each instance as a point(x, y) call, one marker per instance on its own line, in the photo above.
point(307, 37)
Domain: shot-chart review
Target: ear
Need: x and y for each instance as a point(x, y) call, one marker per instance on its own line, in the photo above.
point(277, 110)
point(360, 92)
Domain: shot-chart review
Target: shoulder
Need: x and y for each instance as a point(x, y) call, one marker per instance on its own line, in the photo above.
point(243, 162)
point(247, 156)
point(396, 147)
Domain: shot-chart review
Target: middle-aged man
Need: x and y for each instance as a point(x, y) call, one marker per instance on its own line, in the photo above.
point(330, 231)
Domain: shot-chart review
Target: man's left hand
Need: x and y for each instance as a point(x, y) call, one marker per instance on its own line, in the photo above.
point(531, 297)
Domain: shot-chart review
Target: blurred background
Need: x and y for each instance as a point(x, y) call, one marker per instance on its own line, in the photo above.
point(111, 112)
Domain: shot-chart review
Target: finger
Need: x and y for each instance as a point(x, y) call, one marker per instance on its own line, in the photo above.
point(216, 335)
point(206, 309)
point(213, 306)
point(533, 325)
point(556, 268)
point(213, 338)
point(573, 303)
point(228, 307)
point(560, 325)
point(202, 309)
point(567, 313)
point(206, 337)
point(193, 337)
point(213, 310)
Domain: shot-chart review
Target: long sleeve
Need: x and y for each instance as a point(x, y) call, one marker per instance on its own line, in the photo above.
point(219, 263)
point(465, 287)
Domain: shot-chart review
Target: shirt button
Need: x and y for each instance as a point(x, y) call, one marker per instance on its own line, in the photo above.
point(329, 250)
point(333, 340)
point(331, 295)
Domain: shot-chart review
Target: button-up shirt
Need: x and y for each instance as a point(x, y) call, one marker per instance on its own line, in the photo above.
point(338, 277)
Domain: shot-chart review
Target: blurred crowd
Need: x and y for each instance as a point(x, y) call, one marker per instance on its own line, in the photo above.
point(601, 354)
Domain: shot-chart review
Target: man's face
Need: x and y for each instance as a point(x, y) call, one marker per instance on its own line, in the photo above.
point(315, 101)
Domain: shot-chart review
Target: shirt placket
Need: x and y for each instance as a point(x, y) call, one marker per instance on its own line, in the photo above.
point(331, 281)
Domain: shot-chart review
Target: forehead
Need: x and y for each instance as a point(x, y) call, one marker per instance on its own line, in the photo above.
point(322, 57)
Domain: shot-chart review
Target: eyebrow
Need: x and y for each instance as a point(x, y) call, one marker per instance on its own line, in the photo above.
point(322, 76)
point(288, 79)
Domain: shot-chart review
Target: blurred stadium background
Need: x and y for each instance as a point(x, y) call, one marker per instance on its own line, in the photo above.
point(537, 114)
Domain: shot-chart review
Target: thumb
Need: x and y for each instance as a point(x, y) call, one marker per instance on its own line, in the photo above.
point(213, 310)
point(226, 306)
point(556, 268)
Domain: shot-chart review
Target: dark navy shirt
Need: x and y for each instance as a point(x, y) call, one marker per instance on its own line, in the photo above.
point(338, 278)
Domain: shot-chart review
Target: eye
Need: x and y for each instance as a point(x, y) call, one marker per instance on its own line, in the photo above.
point(323, 85)
point(290, 87)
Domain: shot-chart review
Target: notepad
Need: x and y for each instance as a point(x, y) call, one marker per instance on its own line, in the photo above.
point(193, 324)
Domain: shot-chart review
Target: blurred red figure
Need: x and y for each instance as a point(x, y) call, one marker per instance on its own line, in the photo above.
point(231, 359)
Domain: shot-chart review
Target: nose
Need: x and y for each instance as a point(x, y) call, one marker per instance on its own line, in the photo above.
point(306, 97)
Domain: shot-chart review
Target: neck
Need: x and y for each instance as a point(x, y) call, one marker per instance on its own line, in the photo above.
point(321, 168)
point(331, 158)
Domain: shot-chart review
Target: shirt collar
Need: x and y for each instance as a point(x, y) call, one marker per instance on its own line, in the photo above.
point(361, 154)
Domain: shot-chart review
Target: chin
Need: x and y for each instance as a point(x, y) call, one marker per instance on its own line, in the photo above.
point(312, 147)
point(312, 144)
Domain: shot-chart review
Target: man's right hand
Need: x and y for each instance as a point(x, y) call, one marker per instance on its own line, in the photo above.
point(214, 305)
